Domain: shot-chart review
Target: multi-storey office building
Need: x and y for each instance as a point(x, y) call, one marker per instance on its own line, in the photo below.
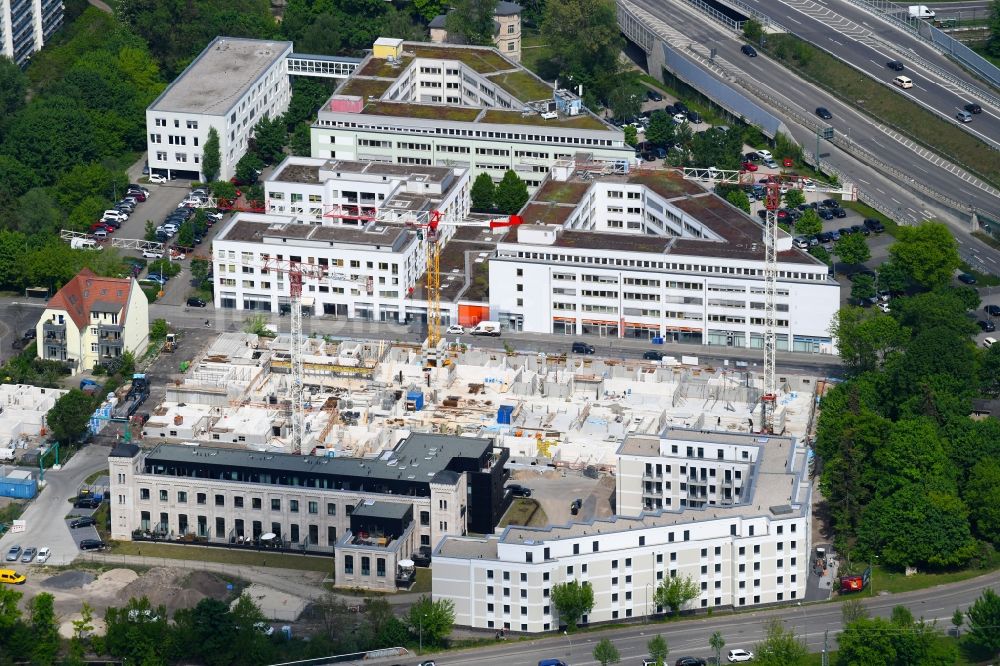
point(750, 552)
point(372, 266)
point(653, 255)
point(440, 485)
point(25, 26)
point(230, 86)
point(462, 106)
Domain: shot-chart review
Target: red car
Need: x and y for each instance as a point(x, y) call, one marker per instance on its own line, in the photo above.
point(749, 166)
point(101, 226)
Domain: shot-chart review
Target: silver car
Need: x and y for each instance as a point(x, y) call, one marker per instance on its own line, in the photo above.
point(29, 554)
point(14, 553)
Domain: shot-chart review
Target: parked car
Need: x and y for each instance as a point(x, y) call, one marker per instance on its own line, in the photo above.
point(29, 554)
point(694, 116)
point(518, 490)
point(739, 655)
point(654, 96)
point(91, 544)
point(115, 215)
point(992, 310)
point(989, 342)
point(214, 217)
point(966, 278)
point(838, 212)
point(157, 179)
point(575, 506)
point(455, 329)
point(87, 503)
point(749, 166)
point(690, 661)
point(13, 553)
point(43, 555)
point(152, 254)
point(987, 325)
point(11, 577)
point(859, 229)
point(82, 521)
point(266, 629)
point(652, 355)
point(583, 348)
point(874, 225)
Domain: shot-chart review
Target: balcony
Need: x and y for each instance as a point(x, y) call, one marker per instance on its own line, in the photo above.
point(53, 333)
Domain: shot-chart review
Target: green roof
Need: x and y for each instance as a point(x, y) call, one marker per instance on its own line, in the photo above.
point(562, 192)
point(483, 61)
point(378, 67)
point(426, 111)
point(583, 121)
point(365, 87)
point(524, 86)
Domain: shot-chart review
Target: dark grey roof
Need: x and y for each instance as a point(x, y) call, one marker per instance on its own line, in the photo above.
point(418, 458)
point(437, 22)
point(445, 476)
point(505, 8)
point(124, 450)
point(393, 510)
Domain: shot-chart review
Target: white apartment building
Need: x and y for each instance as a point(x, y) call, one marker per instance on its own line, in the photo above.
point(748, 552)
point(230, 86)
point(25, 26)
point(437, 485)
point(371, 268)
point(460, 106)
point(651, 255)
point(93, 320)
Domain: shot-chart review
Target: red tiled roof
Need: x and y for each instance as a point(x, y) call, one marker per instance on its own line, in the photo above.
point(78, 296)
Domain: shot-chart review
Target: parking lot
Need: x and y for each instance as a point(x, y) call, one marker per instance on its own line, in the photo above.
point(556, 489)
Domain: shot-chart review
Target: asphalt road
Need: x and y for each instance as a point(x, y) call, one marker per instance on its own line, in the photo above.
point(863, 39)
point(45, 524)
point(743, 630)
point(774, 80)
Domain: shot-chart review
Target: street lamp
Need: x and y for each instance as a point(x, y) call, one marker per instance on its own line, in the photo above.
point(646, 615)
point(420, 623)
point(569, 654)
point(805, 634)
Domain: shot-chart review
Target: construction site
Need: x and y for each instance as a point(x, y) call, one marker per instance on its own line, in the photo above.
point(361, 397)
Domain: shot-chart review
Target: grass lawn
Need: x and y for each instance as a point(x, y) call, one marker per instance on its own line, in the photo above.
point(982, 279)
point(426, 111)
point(235, 557)
point(481, 60)
point(524, 511)
point(546, 214)
point(522, 85)
point(534, 51)
point(568, 192)
point(385, 68)
point(884, 580)
point(887, 106)
point(95, 476)
point(986, 238)
point(423, 582)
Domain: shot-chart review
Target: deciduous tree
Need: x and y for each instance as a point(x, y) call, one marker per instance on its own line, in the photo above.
point(852, 249)
point(584, 40)
point(631, 135)
point(45, 630)
point(865, 339)
point(511, 194)
point(927, 253)
point(739, 199)
point(675, 591)
point(984, 618)
point(435, 619)
point(780, 647)
point(69, 417)
point(982, 495)
point(472, 21)
point(809, 223)
point(572, 600)
point(658, 649)
point(794, 197)
point(606, 653)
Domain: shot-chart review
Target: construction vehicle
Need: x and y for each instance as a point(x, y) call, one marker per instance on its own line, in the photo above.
point(128, 405)
point(170, 344)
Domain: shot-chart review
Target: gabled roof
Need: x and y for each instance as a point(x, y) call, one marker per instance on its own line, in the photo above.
point(86, 293)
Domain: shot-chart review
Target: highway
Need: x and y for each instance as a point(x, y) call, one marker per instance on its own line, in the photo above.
point(867, 42)
point(741, 630)
point(687, 25)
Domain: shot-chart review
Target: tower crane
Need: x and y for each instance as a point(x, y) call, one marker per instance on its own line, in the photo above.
point(430, 223)
point(297, 271)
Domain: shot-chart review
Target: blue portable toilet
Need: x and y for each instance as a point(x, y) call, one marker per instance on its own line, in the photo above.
point(504, 414)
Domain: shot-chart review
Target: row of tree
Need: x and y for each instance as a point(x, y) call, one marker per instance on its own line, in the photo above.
point(907, 475)
point(574, 599)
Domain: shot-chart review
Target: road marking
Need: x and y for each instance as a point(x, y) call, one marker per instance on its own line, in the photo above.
point(794, 20)
point(836, 42)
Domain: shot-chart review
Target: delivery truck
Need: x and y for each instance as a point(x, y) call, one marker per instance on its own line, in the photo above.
point(491, 328)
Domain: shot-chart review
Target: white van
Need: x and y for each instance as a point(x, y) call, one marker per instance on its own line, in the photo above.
point(487, 328)
point(921, 12)
point(903, 82)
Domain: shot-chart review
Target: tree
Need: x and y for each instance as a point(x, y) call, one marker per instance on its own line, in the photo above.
point(483, 193)
point(135, 630)
point(584, 41)
point(631, 135)
point(957, 620)
point(862, 287)
point(158, 329)
point(984, 618)
point(927, 253)
point(658, 649)
point(13, 87)
point(982, 494)
point(149, 232)
point(717, 642)
point(248, 168)
point(753, 31)
point(794, 197)
point(606, 653)
point(891, 277)
point(820, 253)
point(269, 136)
point(10, 612)
point(211, 159)
point(511, 194)
point(472, 21)
point(211, 635)
point(739, 199)
point(433, 619)
point(780, 647)
point(809, 224)
point(200, 269)
point(866, 642)
point(661, 129)
point(993, 44)
point(852, 610)
point(989, 372)
point(69, 417)
point(716, 147)
point(300, 141)
point(185, 236)
point(676, 591)
point(223, 189)
point(572, 600)
point(625, 96)
point(45, 639)
point(428, 9)
point(852, 249)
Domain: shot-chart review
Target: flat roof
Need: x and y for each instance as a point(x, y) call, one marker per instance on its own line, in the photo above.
point(418, 458)
point(373, 234)
point(221, 74)
point(309, 170)
point(391, 510)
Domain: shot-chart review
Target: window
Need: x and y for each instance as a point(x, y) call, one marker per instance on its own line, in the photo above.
point(275, 505)
point(144, 493)
point(380, 567)
point(163, 495)
point(331, 509)
point(348, 564)
point(314, 507)
point(366, 565)
point(182, 497)
point(255, 503)
point(220, 500)
point(238, 502)
point(202, 498)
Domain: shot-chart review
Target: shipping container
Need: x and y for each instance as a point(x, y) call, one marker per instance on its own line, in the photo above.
point(17, 487)
point(504, 414)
